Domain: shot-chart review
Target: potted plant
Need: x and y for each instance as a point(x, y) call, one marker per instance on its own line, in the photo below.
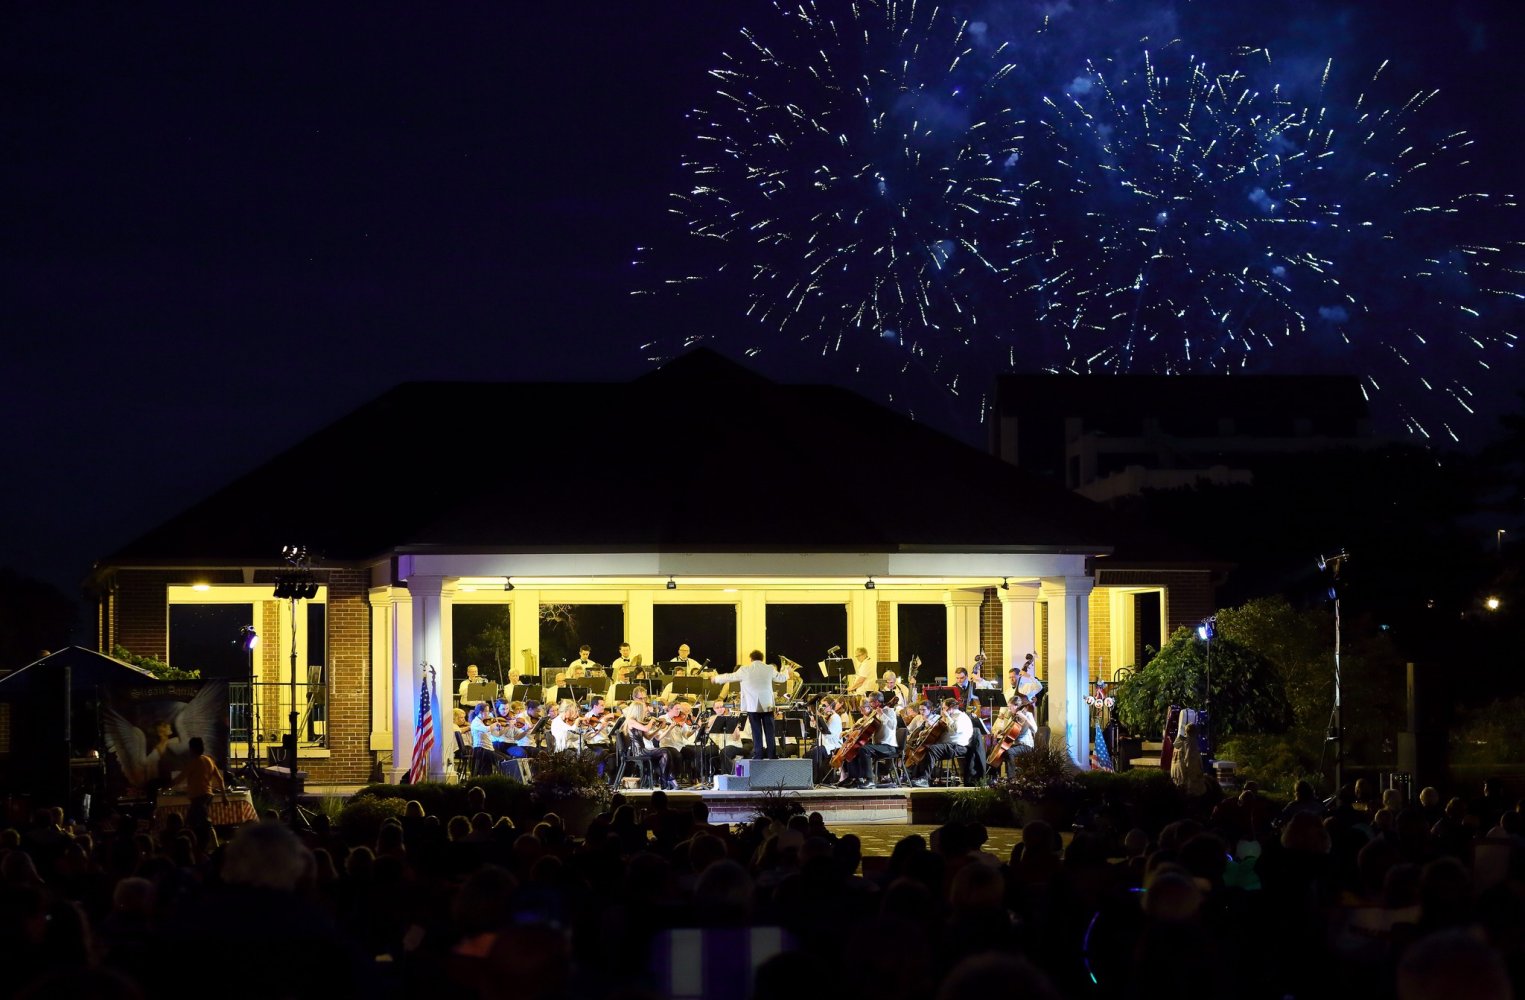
point(569, 785)
point(1042, 785)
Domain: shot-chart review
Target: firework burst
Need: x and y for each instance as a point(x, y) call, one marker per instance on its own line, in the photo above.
point(854, 168)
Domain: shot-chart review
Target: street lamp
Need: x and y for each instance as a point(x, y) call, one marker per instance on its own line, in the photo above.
point(297, 584)
point(248, 639)
point(1492, 603)
point(1206, 630)
point(1332, 565)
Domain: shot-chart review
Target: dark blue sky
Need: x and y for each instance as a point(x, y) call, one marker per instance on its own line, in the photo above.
point(226, 226)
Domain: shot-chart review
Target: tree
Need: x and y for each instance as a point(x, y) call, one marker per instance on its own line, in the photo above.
point(1247, 691)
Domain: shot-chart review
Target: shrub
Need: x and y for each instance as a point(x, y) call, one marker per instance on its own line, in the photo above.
point(505, 797)
point(1247, 691)
point(361, 818)
point(991, 806)
point(1043, 773)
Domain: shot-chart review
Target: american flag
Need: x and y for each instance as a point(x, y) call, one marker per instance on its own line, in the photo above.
point(423, 736)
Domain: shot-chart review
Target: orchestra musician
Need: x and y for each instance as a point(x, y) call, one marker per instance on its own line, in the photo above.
point(486, 758)
point(565, 727)
point(598, 722)
point(1027, 683)
point(619, 668)
point(472, 677)
point(580, 668)
point(881, 744)
point(1023, 729)
point(756, 679)
point(639, 727)
point(726, 747)
point(678, 741)
point(954, 744)
point(863, 672)
point(828, 722)
point(525, 744)
point(890, 684)
point(680, 662)
point(963, 687)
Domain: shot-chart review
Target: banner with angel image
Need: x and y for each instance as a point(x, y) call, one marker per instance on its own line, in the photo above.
point(148, 729)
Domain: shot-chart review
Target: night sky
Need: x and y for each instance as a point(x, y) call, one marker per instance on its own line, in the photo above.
point(226, 226)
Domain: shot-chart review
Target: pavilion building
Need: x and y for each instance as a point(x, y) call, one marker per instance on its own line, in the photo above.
point(698, 485)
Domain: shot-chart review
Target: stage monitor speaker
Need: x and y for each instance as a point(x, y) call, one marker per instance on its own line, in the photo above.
point(786, 773)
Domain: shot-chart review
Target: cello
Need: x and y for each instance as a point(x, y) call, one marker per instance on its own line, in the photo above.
point(859, 736)
point(920, 742)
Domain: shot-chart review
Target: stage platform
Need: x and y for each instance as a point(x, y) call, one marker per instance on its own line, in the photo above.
point(858, 807)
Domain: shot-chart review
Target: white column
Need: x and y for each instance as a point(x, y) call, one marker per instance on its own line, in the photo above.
point(963, 608)
point(640, 630)
point(863, 622)
point(751, 627)
point(1123, 625)
point(404, 680)
point(431, 636)
point(382, 696)
point(1019, 627)
point(524, 624)
point(1068, 675)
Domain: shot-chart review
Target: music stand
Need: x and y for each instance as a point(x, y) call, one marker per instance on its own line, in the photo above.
point(840, 667)
point(626, 691)
point(529, 677)
point(573, 692)
point(525, 692)
point(995, 698)
point(812, 674)
point(937, 692)
point(481, 691)
point(689, 685)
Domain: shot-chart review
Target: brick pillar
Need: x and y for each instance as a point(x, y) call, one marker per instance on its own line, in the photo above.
point(348, 672)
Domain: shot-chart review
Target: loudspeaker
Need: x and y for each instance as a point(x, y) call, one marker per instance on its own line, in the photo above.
point(788, 772)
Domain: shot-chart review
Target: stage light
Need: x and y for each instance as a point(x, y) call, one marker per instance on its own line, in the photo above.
point(248, 638)
point(869, 584)
point(508, 584)
point(1492, 603)
point(201, 588)
point(1004, 584)
point(672, 584)
point(1208, 628)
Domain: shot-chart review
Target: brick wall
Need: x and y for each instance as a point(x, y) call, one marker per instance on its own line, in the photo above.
point(349, 679)
point(1100, 607)
point(883, 610)
point(138, 619)
point(991, 638)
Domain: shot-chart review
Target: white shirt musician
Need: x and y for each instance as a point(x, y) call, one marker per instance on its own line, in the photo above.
point(681, 660)
point(829, 723)
point(882, 744)
point(483, 731)
point(619, 668)
point(863, 672)
point(954, 742)
point(472, 677)
point(564, 729)
point(578, 669)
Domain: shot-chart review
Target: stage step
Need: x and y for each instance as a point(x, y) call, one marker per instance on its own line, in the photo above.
point(891, 805)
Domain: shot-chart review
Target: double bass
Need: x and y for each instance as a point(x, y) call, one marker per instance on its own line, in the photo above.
point(859, 736)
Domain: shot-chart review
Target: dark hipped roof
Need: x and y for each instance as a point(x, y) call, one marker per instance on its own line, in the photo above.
point(700, 455)
point(1095, 397)
point(87, 669)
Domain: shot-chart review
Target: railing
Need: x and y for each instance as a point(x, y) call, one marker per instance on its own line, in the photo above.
point(270, 713)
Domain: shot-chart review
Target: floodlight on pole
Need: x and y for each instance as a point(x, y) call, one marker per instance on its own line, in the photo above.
point(1332, 565)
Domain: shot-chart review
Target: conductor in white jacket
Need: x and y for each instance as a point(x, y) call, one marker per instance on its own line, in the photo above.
point(756, 679)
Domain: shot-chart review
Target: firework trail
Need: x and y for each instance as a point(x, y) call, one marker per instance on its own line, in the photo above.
point(854, 167)
point(1202, 221)
point(887, 173)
